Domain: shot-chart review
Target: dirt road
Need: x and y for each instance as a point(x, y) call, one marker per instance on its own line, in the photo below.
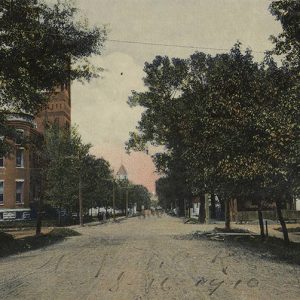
point(141, 259)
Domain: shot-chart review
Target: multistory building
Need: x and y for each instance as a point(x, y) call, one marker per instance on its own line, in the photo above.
point(17, 190)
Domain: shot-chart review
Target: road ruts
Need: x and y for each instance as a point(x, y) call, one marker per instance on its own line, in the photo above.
point(142, 259)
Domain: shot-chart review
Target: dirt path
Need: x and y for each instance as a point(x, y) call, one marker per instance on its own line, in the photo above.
point(141, 259)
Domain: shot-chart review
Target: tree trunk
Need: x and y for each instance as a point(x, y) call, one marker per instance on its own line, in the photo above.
point(202, 209)
point(59, 216)
point(282, 222)
point(213, 206)
point(227, 214)
point(80, 201)
point(38, 228)
point(261, 223)
point(181, 207)
point(190, 205)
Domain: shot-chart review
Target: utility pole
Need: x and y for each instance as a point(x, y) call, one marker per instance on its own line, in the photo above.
point(114, 201)
point(206, 209)
point(80, 200)
point(127, 203)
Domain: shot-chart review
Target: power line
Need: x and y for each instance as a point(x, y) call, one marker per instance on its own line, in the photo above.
point(171, 45)
point(151, 44)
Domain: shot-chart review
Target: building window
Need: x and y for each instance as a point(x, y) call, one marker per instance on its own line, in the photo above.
point(19, 136)
point(67, 125)
point(19, 215)
point(19, 191)
point(20, 158)
point(1, 192)
point(1, 162)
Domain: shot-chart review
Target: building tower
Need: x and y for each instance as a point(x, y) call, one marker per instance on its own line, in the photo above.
point(58, 111)
point(122, 174)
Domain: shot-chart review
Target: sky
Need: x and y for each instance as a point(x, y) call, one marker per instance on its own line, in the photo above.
point(100, 107)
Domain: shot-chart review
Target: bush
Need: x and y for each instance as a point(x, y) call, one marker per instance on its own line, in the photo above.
point(5, 237)
point(62, 232)
point(9, 245)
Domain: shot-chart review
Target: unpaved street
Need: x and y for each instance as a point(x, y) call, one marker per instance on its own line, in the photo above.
point(141, 259)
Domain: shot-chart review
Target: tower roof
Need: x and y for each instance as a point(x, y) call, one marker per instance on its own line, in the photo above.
point(122, 171)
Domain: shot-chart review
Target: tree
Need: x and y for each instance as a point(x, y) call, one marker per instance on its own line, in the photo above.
point(229, 121)
point(288, 42)
point(165, 193)
point(139, 195)
point(241, 128)
point(96, 185)
point(61, 156)
point(38, 45)
point(159, 122)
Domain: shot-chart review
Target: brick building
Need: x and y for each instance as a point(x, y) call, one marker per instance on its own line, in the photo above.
point(17, 190)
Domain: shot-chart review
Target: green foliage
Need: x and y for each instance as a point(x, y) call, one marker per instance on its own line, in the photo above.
point(165, 192)
point(5, 132)
point(229, 125)
point(66, 163)
point(62, 233)
point(38, 43)
point(5, 237)
point(63, 153)
point(288, 42)
point(12, 246)
point(96, 181)
point(139, 195)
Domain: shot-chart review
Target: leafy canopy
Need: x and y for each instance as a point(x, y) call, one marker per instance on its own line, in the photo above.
point(38, 45)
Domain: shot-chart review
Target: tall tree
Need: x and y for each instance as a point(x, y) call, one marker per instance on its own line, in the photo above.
point(228, 120)
point(288, 42)
point(38, 45)
point(139, 195)
point(159, 124)
point(61, 157)
point(96, 181)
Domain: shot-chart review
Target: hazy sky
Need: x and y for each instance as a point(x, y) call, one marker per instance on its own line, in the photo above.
point(100, 109)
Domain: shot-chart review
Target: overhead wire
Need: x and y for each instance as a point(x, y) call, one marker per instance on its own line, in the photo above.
point(172, 45)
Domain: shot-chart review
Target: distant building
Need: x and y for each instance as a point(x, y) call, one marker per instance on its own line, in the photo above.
point(17, 191)
point(122, 174)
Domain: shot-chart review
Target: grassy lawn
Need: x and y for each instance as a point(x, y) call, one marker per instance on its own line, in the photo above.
point(270, 247)
point(9, 245)
point(19, 225)
point(290, 229)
